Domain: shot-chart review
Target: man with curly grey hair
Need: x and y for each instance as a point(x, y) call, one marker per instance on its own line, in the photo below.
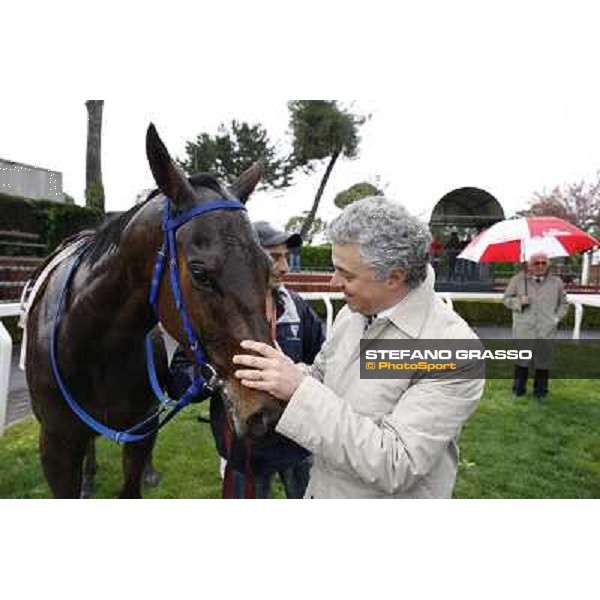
point(373, 438)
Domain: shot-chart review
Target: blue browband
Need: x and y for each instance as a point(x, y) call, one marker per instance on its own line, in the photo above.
point(205, 375)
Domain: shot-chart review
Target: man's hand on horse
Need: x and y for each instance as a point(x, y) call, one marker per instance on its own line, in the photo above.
point(271, 371)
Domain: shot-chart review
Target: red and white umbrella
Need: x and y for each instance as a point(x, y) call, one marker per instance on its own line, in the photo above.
point(516, 240)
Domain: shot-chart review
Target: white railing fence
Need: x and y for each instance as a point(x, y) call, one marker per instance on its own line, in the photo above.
point(577, 300)
point(12, 309)
point(6, 310)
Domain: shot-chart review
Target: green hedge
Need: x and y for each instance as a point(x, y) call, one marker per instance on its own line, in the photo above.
point(316, 258)
point(488, 313)
point(495, 313)
point(52, 221)
point(64, 220)
point(20, 214)
point(484, 313)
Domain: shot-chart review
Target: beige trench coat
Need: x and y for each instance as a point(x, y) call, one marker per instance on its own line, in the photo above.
point(538, 321)
point(389, 438)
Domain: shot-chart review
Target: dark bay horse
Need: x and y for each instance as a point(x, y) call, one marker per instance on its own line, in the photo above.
point(106, 314)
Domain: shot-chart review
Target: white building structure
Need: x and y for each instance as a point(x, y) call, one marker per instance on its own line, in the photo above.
point(26, 181)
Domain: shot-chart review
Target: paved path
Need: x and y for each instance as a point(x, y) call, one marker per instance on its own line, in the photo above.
point(18, 394)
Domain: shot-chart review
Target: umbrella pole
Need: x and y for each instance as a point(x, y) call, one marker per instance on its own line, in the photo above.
point(522, 261)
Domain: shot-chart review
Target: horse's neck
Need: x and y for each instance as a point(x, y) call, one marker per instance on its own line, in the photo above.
point(112, 296)
point(109, 310)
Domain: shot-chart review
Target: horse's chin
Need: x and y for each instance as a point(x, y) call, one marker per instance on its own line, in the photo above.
point(259, 425)
point(253, 415)
point(255, 428)
point(264, 421)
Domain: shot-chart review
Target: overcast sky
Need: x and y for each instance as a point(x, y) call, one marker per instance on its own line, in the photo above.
point(507, 101)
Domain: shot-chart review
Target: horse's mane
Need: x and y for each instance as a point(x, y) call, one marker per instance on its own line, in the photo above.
point(108, 236)
point(206, 180)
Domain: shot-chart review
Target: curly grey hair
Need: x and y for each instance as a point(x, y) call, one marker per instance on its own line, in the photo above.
point(389, 237)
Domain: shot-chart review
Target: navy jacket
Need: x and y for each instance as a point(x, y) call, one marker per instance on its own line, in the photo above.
point(300, 335)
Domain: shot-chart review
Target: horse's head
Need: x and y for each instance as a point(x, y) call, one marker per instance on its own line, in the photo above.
point(224, 275)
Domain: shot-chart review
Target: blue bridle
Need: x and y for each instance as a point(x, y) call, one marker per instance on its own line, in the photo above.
point(205, 377)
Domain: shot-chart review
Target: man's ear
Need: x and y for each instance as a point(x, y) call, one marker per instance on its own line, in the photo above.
point(397, 278)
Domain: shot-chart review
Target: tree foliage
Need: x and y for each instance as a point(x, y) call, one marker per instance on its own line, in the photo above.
point(296, 223)
point(577, 203)
point(234, 149)
point(322, 129)
point(356, 192)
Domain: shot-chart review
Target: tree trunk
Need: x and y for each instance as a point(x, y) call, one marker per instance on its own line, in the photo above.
point(313, 211)
point(94, 189)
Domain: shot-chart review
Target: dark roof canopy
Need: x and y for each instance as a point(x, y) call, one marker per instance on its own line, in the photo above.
point(467, 207)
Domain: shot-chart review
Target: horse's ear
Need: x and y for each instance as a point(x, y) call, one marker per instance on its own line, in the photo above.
point(168, 176)
point(246, 182)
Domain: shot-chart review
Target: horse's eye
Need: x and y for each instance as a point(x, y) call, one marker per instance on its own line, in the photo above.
point(199, 274)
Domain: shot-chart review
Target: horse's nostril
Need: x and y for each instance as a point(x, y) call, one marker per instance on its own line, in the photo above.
point(258, 425)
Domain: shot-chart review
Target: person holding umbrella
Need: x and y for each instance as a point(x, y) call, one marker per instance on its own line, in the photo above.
point(538, 303)
point(536, 298)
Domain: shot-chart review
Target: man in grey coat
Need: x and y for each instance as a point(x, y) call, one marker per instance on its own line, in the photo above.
point(538, 303)
point(373, 438)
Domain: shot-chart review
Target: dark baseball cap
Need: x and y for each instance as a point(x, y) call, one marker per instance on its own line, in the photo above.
point(269, 236)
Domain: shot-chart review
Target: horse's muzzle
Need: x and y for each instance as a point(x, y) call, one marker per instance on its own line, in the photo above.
point(264, 421)
point(254, 414)
point(258, 425)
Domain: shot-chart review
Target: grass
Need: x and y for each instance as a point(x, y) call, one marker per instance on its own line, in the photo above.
point(515, 448)
point(185, 456)
point(509, 449)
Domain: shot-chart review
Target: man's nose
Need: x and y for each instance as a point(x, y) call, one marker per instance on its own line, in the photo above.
point(282, 266)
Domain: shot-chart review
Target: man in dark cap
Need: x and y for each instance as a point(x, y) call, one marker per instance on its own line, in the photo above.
point(276, 242)
point(299, 332)
point(278, 245)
